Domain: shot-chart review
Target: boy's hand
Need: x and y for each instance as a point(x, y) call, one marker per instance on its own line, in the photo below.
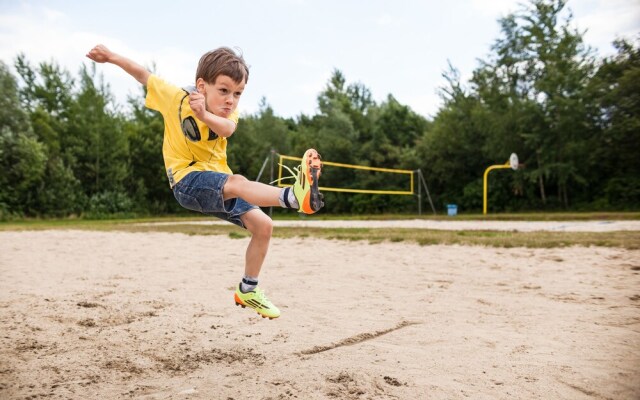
point(100, 54)
point(220, 125)
point(196, 101)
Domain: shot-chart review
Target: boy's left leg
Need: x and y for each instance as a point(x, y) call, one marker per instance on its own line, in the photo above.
point(261, 228)
point(248, 294)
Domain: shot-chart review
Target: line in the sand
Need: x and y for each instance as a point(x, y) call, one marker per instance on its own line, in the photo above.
point(356, 339)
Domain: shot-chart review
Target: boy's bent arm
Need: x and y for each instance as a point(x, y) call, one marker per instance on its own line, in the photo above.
point(102, 54)
point(221, 126)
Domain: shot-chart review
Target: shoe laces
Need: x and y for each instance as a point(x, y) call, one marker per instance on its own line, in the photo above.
point(295, 174)
point(261, 296)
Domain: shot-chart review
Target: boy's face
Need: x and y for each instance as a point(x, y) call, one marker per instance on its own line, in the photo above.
point(222, 96)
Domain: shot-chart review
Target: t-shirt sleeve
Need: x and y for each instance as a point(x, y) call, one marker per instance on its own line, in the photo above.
point(159, 94)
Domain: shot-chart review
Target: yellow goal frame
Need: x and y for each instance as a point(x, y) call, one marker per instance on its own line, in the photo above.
point(362, 167)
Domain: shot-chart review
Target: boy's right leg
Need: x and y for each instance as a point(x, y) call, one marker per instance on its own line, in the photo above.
point(256, 193)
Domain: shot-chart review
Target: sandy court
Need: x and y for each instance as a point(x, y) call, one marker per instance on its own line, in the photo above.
point(449, 225)
point(151, 316)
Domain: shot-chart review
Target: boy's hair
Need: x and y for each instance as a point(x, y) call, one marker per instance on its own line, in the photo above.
point(222, 61)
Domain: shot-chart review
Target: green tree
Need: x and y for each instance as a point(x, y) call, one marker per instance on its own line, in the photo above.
point(452, 147)
point(22, 157)
point(46, 95)
point(353, 100)
point(146, 181)
point(541, 68)
point(23, 163)
point(16, 139)
point(615, 164)
point(254, 139)
point(391, 144)
point(97, 137)
point(12, 114)
point(396, 129)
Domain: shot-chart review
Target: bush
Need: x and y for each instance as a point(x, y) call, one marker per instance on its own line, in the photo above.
point(110, 204)
point(623, 193)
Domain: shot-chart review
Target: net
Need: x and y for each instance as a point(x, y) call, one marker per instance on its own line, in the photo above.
point(393, 177)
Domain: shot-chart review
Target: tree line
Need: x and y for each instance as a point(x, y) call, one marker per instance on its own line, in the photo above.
point(67, 148)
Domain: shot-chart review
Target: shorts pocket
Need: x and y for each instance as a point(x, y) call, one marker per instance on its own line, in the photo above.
point(187, 201)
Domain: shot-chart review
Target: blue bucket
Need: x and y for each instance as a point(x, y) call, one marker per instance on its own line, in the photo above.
point(452, 210)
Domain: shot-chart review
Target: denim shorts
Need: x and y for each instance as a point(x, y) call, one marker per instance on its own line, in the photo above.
point(201, 191)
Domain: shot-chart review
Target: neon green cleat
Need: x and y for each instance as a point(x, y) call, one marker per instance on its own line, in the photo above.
point(257, 300)
point(305, 187)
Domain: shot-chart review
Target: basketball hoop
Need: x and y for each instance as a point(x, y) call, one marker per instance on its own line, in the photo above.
point(513, 161)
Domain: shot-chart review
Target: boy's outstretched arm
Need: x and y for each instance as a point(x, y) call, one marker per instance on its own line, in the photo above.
point(101, 54)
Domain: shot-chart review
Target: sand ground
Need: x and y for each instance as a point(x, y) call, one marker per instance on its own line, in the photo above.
point(114, 315)
point(452, 224)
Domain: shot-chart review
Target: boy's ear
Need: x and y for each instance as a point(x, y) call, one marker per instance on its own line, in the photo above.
point(200, 85)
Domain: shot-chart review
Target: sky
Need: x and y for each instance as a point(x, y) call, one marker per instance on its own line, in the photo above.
point(399, 47)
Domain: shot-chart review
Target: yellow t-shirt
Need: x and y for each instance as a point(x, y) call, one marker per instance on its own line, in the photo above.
point(181, 154)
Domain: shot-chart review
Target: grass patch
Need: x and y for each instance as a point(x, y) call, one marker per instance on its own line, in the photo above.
point(34, 223)
point(506, 239)
point(238, 235)
point(525, 216)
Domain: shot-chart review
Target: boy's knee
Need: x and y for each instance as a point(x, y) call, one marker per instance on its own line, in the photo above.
point(264, 228)
point(231, 186)
point(258, 223)
point(235, 180)
point(261, 227)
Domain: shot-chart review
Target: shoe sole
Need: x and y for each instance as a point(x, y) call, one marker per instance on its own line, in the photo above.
point(312, 171)
point(239, 303)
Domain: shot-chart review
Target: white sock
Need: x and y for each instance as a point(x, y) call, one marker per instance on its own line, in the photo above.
point(287, 193)
point(248, 283)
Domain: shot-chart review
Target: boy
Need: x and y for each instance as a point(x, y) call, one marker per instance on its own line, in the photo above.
point(194, 150)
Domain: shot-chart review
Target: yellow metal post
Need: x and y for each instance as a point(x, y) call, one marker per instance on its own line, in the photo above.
point(359, 167)
point(486, 176)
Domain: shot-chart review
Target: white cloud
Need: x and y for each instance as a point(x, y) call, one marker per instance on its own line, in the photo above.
point(305, 62)
point(418, 33)
point(34, 32)
point(387, 20)
point(425, 104)
point(607, 20)
point(495, 7)
point(46, 35)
